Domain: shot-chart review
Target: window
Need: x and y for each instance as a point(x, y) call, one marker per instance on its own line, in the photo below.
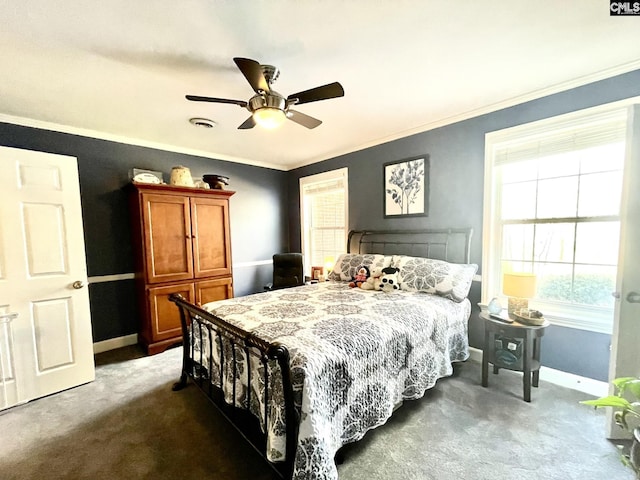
point(552, 207)
point(323, 207)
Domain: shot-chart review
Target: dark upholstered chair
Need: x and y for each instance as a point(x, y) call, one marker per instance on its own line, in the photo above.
point(287, 271)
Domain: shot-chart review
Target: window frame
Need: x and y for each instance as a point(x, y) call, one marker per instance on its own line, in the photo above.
point(591, 318)
point(332, 175)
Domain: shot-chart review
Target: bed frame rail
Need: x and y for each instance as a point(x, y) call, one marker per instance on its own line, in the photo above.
point(194, 368)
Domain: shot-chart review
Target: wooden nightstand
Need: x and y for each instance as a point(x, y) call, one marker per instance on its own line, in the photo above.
point(514, 346)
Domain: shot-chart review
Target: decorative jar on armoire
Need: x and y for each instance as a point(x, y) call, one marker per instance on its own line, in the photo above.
point(182, 244)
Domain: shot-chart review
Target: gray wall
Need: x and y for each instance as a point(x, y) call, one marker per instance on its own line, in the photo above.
point(259, 205)
point(456, 198)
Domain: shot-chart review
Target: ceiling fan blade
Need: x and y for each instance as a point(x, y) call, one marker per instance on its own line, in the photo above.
point(331, 90)
point(248, 123)
point(302, 119)
point(196, 98)
point(252, 71)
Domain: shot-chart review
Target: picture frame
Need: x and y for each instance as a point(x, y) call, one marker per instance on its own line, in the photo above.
point(317, 273)
point(406, 187)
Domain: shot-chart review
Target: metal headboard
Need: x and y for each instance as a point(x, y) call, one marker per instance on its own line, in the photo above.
point(449, 244)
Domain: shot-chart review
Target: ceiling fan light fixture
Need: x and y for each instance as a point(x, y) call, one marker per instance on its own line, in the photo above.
point(268, 108)
point(269, 117)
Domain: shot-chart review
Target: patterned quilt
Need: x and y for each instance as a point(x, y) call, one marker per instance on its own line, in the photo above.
point(355, 355)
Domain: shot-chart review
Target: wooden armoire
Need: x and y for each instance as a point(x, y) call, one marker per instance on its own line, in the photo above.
point(182, 244)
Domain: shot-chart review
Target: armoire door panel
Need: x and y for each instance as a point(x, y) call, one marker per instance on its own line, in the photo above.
point(165, 316)
point(211, 244)
point(168, 238)
point(213, 290)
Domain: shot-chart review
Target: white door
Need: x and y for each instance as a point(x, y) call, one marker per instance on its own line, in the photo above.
point(625, 347)
point(48, 347)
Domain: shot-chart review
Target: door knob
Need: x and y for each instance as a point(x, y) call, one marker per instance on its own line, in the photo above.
point(77, 284)
point(633, 297)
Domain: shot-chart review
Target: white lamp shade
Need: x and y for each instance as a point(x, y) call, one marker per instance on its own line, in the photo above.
point(521, 285)
point(268, 117)
point(328, 264)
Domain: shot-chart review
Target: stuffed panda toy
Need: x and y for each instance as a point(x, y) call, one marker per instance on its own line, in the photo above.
point(389, 280)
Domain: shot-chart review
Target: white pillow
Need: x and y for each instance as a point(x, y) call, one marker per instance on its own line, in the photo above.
point(347, 264)
point(449, 280)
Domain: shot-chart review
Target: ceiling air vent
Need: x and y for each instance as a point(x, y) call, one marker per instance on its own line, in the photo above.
point(202, 122)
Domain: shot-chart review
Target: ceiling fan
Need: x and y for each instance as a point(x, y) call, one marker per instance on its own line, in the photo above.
point(268, 108)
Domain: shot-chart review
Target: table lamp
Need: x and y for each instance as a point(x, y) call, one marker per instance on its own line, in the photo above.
point(519, 287)
point(328, 264)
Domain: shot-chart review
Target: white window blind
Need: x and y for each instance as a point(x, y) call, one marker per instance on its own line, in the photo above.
point(324, 217)
point(605, 129)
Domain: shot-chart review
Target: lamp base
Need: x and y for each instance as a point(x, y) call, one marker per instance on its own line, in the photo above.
point(515, 305)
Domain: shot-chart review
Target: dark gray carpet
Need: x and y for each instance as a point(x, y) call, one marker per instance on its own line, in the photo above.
point(128, 424)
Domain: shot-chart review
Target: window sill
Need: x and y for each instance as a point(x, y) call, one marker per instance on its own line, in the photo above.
point(591, 319)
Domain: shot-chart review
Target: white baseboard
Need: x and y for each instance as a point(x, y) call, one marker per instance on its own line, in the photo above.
point(475, 354)
point(558, 377)
point(114, 343)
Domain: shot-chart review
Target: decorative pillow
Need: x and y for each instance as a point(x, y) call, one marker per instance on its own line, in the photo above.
point(347, 264)
point(449, 280)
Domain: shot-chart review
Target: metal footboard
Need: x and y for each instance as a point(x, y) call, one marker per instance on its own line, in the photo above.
point(193, 365)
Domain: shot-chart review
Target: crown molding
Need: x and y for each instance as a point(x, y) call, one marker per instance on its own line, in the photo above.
point(85, 132)
point(511, 102)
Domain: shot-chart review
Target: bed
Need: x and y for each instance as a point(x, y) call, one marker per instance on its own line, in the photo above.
point(305, 370)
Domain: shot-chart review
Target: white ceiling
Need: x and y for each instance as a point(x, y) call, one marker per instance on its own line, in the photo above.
point(119, 69)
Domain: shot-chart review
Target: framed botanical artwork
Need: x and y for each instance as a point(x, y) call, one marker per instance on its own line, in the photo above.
point(406, 187)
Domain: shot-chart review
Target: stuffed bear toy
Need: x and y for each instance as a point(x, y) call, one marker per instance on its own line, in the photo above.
point(362, 273)
point(389, 280)
point(373, 282)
